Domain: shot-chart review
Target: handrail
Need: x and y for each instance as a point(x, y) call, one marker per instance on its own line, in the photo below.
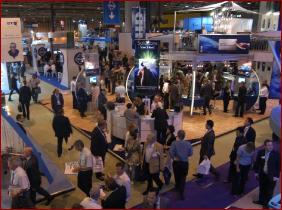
point(28, 142)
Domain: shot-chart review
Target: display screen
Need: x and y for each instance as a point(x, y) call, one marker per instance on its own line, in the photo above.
point(146, 72)
point(224, 44)
point(93, 79)
point(241, 79)
point(245, 69)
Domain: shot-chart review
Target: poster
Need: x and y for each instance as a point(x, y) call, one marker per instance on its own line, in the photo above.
point(146, 72)
point(11, 40)
point(111, 14)
point(138, 24)
point(224, 44)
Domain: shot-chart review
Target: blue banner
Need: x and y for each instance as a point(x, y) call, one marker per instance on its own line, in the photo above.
point(111, 15)
point(224, 44)
point(138, 24)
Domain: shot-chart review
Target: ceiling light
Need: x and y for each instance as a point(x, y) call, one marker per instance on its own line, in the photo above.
point(165, 5)
point(249, 3)
point(276, 13)
point(186, 6)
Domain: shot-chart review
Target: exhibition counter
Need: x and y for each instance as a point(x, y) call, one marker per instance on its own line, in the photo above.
point(116, 123)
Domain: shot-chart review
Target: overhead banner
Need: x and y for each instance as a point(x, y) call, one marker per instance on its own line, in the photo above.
point(11, 40)
point(138, 24)
point(224, 44)
point(146, 72)
point(111, 15)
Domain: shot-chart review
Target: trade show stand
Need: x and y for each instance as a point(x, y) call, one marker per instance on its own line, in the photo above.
point(117, 123)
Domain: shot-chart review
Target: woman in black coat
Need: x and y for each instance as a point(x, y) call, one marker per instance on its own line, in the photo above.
point(62, 128)
point(82, 99)
point(160, 123)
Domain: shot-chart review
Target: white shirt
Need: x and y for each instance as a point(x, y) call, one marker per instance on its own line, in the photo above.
point(73, 86)
point(264, 92)
point(86, 158)
point(46, 67)
point(89, 203)
point(124, 180)
point(246, 130)
point(165, 87)
point(149, 152)
point(20, 179)
point(120, 90)
point(53, 67)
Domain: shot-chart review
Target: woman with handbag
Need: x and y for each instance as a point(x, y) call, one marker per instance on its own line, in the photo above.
point(35, 89)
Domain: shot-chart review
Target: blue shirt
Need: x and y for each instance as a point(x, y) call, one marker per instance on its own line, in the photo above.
point(245, 158)
point(181, 150)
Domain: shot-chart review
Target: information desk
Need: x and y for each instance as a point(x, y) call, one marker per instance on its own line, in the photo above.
point(116, 123)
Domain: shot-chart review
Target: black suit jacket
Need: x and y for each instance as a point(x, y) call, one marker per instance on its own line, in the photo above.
point(25, 94)
point(62, 126)
point(273, 163)
point(207, 144)
point(207, 91)
point(161, 117)
point(14, 83)
point(242, 94)
point(99, 145)
point(116, 200)
point(33, 172)
point(250, 135)
point(54, 101)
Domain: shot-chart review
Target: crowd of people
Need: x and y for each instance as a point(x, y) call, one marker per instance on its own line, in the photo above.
point(146, 163)
point(143, 162)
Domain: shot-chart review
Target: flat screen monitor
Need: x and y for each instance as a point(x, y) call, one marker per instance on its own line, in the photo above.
point(241, 79)
point(93, 79)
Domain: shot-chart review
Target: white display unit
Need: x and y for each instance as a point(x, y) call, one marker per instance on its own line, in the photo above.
point(4, 79)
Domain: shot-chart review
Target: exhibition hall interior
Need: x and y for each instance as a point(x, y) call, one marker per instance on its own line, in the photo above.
point(131, 104)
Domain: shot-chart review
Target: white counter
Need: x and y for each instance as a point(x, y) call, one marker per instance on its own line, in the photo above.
point(117, 124)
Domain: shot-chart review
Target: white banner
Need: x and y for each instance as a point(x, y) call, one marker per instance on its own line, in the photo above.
point(11, 39)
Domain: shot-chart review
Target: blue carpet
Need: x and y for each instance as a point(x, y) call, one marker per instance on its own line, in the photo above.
point(207, 193)
point(53, 81)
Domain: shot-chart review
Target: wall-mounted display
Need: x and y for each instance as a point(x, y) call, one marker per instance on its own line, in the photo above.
point(224, 44)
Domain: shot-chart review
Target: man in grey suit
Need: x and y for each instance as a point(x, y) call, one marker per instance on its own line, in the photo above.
point(131, 116)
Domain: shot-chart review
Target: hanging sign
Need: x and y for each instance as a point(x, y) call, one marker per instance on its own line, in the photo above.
point(138, 24)
point(11, 40)
point(111, 15)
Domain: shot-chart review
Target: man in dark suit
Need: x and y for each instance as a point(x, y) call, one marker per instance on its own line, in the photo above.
point(19, 119)
point(24, 99)
point(117, 198)
point(57, 101)
point(160, 123)
point(207, 92)
point(267, 171)
point(34, 175)
point(249, 131)
point(14, 86)
point(241, 100)
point(207, 148)
point(154, 201)
point(99, 144)
point(62, 128)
